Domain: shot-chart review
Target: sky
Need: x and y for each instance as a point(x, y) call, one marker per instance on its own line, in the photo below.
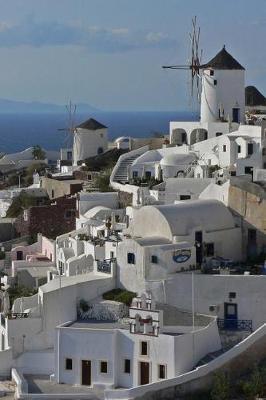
point(109, 53)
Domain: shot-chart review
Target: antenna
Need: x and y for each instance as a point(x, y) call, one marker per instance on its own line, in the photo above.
point(70, 129)
point(194, 63)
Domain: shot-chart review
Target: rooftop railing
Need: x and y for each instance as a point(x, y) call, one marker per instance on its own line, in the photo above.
point(234, 324)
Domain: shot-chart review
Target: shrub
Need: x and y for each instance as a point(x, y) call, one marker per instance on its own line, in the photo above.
point(120, 295)
point(16, 292)
point(254, 385)
point(221, 387)
point(84, 305)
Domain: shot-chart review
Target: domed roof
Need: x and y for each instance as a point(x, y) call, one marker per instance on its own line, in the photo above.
point(93, 212)
point(122, 139)
point(177, 159)
point(181, 218)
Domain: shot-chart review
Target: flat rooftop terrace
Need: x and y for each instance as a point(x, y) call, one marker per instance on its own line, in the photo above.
point(41, 384)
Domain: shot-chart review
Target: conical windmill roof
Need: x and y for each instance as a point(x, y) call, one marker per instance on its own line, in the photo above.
point(254, 97)
point(92, 125)
point(223, 60)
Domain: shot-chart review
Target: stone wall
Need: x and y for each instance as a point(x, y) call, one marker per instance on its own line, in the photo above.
point(56, 188)
point(125, 199)
point(52, 220)
point(248, 201)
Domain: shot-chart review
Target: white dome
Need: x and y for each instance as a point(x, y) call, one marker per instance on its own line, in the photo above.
point(177, 159)
point(122, 139)
point(182, 218)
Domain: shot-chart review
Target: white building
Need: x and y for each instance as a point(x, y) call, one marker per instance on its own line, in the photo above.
point(222, 102)
point(163, 240)
point(155, 343)
point(90, 139)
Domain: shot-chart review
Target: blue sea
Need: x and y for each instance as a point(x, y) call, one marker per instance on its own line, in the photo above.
point(19, 131)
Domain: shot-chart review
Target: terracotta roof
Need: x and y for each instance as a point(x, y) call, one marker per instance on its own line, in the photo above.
point(91, 124)
point(254, 97)
point(223, 60)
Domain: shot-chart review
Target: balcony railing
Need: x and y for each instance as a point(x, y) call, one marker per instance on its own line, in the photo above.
point(105, 266)
point(235, 324)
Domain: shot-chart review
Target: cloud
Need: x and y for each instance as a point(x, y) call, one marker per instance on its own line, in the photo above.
point(97, 39)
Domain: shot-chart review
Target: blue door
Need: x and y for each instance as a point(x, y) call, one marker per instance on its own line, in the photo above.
point(236, 115)
point(230, 316)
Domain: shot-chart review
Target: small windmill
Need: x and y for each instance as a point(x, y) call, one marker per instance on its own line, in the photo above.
point(70, 129)
point(194, 63)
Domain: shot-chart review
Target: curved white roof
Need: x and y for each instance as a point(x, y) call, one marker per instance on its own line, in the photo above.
point(177, 159)
point(122, 138)
point(179, 219)
point(148, 156)
point(92, 213)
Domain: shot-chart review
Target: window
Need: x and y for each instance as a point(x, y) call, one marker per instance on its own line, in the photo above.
point(144, 348)
point(103, 367)
point(224, 148)
point(161, 371)
point(100, 150)
point(154, 259)
point(52, 193)
point(135, 174)
point(68, 364)
point(209, 249)
point(211, 72)
point(249, 170)
point(185, 197)
point(232, 295)
point(239, 149)
point(250, 148)
point(127, 366)
point(70, 213)
point(112, 254)
point(264, 151)
point(218, 134)
point(69, 155)
point(148, 174)
point(130, 258)
point(215, 82)
point(233, 173)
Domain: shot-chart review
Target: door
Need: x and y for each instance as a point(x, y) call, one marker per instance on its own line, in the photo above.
point(230, 315)
point(236, 115)
point(86, 373)
point(144, 373)
point(198, 244)
point(252, 243)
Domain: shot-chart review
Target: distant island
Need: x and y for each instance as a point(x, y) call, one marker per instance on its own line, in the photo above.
point(13, 106)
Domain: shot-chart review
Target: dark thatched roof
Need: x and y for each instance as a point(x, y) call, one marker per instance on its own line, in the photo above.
point(223, 60)
point(91, 124)
point(254, 97)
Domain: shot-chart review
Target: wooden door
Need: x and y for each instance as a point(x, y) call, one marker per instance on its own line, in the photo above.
point(144, 373)
point(86, 373)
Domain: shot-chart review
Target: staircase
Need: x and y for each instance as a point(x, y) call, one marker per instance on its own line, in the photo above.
point(7, 261)
point(209, 357)
point(120, 172)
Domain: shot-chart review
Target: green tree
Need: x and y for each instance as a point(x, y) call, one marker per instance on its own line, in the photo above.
point(38, 153)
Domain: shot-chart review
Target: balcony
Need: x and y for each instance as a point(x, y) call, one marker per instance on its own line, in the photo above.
point(234, 324)
point(105, 266)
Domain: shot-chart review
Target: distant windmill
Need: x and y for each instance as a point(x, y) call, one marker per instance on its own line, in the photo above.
point(194, 63)
point(70, 129)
